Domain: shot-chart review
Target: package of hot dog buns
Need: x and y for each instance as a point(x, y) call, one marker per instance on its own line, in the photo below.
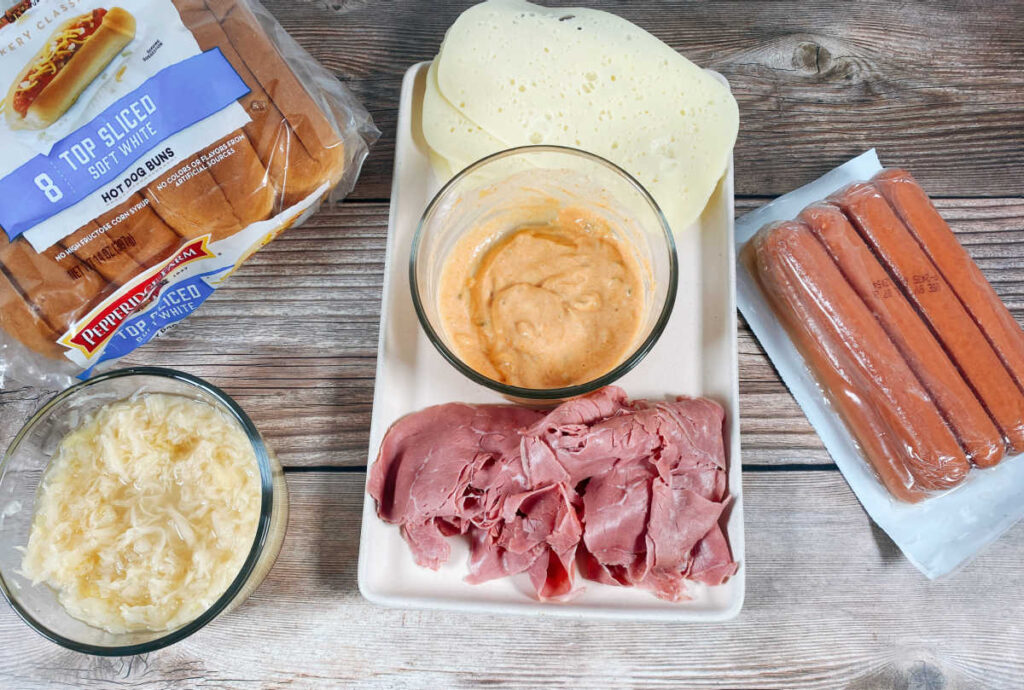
point(899, 351)
point(148, 148)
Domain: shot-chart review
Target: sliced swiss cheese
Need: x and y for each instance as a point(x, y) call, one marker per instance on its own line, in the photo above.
point(513, 73)
point(446, 130)
point(442, 166)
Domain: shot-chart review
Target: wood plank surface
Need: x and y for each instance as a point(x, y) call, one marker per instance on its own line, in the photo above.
point(830, 603)
point(293, 337)
point(935, 85)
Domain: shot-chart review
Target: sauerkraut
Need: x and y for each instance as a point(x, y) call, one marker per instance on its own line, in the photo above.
point(145, 514)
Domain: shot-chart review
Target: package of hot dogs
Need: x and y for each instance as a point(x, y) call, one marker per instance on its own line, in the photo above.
point(149, 148)
point(900, 352)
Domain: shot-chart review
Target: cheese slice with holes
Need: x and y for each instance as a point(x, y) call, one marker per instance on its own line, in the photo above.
point(448, 132)
point(512, 73)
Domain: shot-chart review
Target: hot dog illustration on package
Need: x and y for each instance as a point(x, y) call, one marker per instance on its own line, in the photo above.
point(71, 59)
point(149, 149)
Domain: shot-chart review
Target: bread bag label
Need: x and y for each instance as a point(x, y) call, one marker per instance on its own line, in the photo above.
point(100, 100)
point(103, 322)
point(172, 290)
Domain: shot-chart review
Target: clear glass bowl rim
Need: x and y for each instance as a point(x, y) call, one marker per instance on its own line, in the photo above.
point(622, 369)
point(262, 529)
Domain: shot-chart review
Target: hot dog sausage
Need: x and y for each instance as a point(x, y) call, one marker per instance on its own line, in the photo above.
point(940, 244)
point(921, 281)
point(975, 430)
point(886, 408)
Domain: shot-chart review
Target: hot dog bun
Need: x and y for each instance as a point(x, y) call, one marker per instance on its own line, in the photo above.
point(231, 193)
point(56, 282)
point(105, 255)
point(154, 241)
point(134, 239)
point(302, 113)
point(293, 171)
point(23, 323)
point(245, 181)
point(115, 32)
point(195, 207)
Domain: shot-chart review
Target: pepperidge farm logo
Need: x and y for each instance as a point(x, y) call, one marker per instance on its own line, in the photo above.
point(92, 332)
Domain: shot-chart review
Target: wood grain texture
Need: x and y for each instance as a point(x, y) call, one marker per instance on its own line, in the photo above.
point(293, 337)
point(830, 603)
point(936, 86)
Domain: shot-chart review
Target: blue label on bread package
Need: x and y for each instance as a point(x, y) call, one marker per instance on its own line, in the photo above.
point(100, 153)
point(174, 304)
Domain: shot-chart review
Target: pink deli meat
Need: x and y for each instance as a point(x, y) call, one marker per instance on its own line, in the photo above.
point(627, 493)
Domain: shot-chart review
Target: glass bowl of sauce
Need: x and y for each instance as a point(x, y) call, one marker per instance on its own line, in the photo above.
point(543, 272)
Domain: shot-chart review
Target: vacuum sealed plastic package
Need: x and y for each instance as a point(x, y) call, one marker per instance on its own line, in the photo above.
point(899, 351)
point(149, 149)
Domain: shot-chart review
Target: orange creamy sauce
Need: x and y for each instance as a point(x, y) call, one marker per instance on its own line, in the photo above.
point(543, 306)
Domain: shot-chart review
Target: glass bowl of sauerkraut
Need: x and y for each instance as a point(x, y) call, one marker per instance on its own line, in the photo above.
point(135, 508)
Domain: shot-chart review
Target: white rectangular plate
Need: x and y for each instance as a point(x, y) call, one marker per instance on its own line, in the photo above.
point(696, 355)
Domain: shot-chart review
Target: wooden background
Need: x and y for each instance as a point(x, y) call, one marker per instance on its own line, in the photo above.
point(936, 86)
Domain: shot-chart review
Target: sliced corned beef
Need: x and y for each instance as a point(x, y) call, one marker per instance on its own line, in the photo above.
point(630, 493)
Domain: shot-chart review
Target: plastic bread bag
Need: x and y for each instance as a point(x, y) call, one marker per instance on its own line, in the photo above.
point(150, 148)
point(859, 303)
